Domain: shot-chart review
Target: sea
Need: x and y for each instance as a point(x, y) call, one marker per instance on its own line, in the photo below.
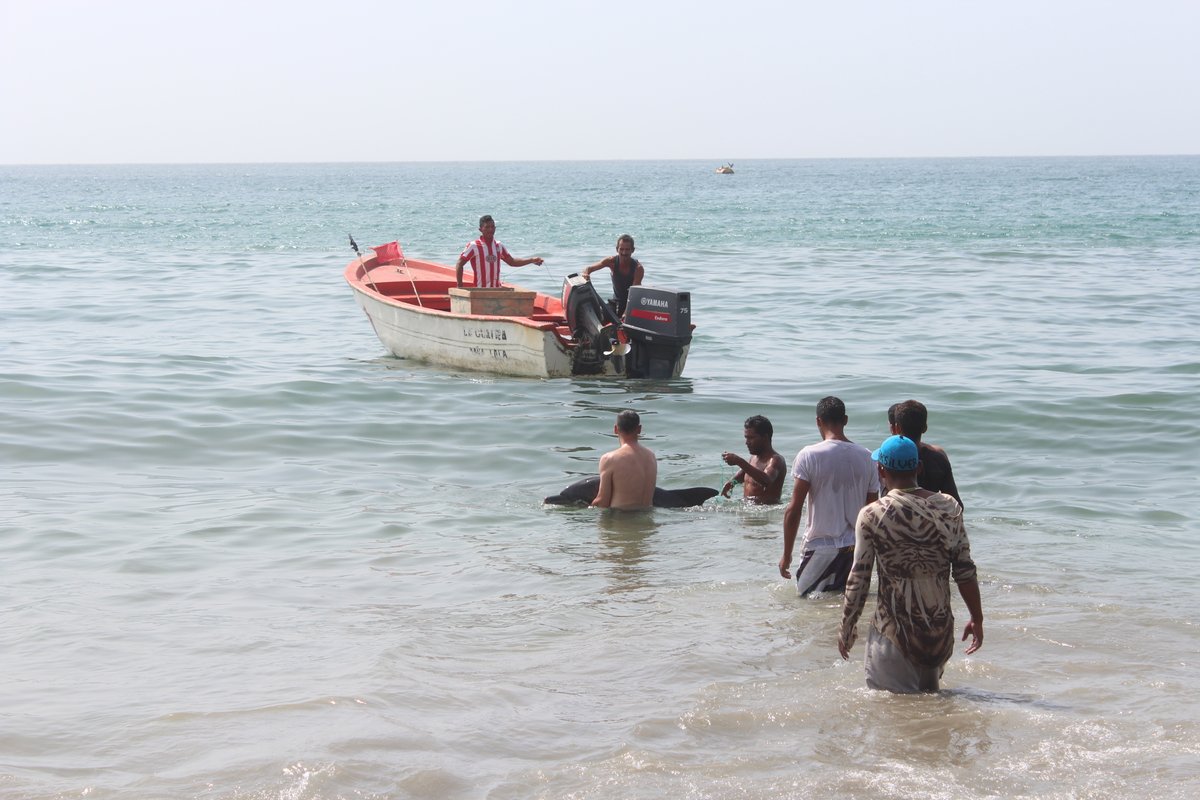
point(246, 554)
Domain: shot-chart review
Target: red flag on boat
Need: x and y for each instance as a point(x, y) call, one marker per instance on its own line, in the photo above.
point(387, 253)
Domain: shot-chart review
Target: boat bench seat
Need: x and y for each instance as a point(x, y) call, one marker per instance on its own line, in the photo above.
point(394, 287)
point(438, 302)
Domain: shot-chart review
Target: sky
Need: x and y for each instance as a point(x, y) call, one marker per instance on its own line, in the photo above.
point(181, 81)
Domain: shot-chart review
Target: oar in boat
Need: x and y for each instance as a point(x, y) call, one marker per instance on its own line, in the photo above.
point(366, 272)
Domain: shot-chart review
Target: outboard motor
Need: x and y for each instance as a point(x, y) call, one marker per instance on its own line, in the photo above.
point(592, 324)
point(659, 325)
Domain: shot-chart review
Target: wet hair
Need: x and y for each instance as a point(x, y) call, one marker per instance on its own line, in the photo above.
point(486, 218)
point(912, 418)
point(892, 413)
point(831, 409)
point(628, 421)
point(625, 237)
point(760, 425)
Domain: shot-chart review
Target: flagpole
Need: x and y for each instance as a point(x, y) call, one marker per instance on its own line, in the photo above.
point(404, 264)
point(361, 263)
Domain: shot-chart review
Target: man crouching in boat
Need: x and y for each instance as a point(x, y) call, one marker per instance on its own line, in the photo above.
point(485, 255)
point(626, 271)
point(627, 474)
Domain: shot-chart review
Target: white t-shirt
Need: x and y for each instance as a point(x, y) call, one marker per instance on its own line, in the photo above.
point(840, 475)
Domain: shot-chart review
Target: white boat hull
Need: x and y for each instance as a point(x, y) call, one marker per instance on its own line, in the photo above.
point(408, 304)
point(485, 344)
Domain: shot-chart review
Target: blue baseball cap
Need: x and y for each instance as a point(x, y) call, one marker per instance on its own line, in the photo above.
point(897, 453)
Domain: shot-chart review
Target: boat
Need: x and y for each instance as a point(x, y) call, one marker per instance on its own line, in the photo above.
point(419, 312)
point(725, 170)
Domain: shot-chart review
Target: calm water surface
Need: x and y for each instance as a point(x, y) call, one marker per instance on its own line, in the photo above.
point(248, 555)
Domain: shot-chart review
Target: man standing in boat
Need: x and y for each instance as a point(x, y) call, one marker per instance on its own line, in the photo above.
point(627, 474)
point(485, 255)
point(626, 271)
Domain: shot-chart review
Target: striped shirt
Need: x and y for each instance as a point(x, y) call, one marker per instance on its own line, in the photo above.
point(485, 261)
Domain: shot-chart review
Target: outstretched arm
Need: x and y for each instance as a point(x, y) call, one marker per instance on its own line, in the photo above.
point(603, 263)
point(762, 477)
point(520, 262)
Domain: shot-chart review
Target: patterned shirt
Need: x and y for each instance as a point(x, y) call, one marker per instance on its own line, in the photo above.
point(918, 543)
point(485, 260)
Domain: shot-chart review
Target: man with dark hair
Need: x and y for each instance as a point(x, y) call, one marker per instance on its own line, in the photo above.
point(626, 271)
point(917, 539)
point(485, 255)
point(762, 476)
point(839, 476)
point(627, 474)
point(910, 419)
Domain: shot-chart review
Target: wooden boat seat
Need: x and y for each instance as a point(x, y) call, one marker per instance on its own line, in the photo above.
point(437, 302)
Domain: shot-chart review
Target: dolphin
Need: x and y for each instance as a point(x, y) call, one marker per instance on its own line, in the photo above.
point(584, 491)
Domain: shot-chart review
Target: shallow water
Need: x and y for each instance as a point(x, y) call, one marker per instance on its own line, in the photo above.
point(248, 555)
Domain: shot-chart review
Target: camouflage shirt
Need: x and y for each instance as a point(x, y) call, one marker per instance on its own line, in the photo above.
point(918, 544)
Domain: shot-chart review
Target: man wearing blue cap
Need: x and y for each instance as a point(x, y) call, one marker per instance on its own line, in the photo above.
point(918, 540)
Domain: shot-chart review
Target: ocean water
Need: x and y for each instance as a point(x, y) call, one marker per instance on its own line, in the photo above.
point(246, 554)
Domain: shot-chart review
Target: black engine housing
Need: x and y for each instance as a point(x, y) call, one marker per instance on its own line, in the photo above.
point(658, 324)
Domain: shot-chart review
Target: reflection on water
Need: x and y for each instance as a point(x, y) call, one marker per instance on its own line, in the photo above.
point(624, 540)
point(649, 388)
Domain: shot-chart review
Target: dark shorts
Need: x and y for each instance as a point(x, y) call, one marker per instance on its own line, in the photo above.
point(824, 570)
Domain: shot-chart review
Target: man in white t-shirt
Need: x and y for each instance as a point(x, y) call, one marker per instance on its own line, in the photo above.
point(485, 255)
point(840, 478)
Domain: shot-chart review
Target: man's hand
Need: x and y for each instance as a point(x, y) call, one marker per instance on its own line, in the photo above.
point(784, 563)
point(974, 629)
point(733, 459)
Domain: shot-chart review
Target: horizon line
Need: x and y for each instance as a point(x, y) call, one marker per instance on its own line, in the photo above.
point(574, 160)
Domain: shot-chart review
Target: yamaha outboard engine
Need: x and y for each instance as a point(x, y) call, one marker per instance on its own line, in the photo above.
point(592, 323)
point(658, 323)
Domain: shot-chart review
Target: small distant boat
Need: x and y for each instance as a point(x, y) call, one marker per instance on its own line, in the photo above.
point(725, 170)
point(418, 312)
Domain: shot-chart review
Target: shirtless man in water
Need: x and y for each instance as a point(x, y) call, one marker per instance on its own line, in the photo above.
point(762, 476)
point(627, 474)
